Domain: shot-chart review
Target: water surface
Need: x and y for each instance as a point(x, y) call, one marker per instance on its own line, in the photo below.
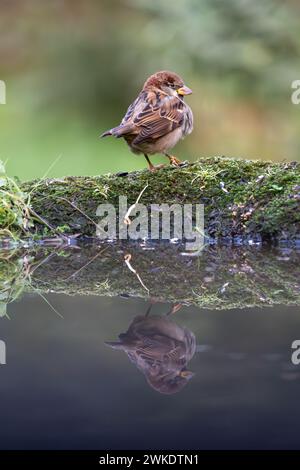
point(63, 387)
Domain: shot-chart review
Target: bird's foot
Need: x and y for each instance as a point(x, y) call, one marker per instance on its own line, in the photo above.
point(174, 309)
point(151, 166)
point(174, 161)
point(154, 168)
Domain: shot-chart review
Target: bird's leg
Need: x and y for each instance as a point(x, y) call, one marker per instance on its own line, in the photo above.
point(153, 301)
point(149, 310)
point(152, 167)
point(174, 309)
point(173, 160)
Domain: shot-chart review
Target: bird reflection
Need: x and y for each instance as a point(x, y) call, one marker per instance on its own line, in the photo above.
point(160, 349)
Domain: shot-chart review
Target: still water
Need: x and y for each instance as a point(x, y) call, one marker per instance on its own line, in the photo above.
point(175, 378)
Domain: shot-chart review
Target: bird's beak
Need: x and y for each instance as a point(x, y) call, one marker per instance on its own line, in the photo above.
point(184, 90)
point(187, 374)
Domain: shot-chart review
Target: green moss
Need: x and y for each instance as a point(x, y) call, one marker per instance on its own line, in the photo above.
point(63, 229)
point(240, 197)
point(226, 277)
point(13, 278)
point(15, 217)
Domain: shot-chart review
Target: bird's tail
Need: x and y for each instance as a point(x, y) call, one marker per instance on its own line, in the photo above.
point(118, 131)
point(114, 344)
point(106, 133)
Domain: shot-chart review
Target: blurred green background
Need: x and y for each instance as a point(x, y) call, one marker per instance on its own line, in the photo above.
point(72, 67)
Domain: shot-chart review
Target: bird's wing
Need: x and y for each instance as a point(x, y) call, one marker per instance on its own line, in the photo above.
point(135, 107)
point(153, 115)
point(157, 120)
point(157, 350)
point(138, 107)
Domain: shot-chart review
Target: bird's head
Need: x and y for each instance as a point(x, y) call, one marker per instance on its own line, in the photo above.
point(168, 82)
point(170, 383)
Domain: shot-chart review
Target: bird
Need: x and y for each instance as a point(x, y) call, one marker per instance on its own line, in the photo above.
point(160, 349)
point(157, 119)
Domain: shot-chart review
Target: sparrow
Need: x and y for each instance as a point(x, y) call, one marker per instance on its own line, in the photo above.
point(160, 349)
point(158, 118)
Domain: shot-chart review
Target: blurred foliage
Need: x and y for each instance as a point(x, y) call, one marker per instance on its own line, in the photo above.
point(72, 67)
point(253, 45)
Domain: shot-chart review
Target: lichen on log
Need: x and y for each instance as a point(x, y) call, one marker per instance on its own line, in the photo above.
point(241, 198)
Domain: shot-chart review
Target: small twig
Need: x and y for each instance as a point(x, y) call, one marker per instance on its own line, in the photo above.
point(127, 221)
point(86, 264)
point(79, 210)
point(43, 221)
point(49, 304)
point(43, 261)
point(45, 175)
point(127, 259)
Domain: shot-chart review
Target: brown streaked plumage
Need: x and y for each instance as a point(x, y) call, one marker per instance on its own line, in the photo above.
point(158, 118)
point(161, 350)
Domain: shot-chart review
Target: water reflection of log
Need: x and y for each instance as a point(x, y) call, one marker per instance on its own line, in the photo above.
point(220, 277)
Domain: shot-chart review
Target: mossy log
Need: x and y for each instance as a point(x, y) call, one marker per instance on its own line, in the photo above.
point(241, 198)
point(219, 278)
